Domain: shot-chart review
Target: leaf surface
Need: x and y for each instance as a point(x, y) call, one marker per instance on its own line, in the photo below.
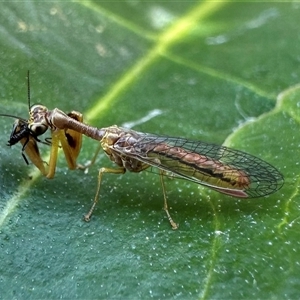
point(221, 72)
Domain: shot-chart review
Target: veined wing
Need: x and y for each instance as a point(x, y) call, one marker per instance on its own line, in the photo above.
point(226, 170)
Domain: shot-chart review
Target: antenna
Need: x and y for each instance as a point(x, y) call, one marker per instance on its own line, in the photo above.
point(28, 89)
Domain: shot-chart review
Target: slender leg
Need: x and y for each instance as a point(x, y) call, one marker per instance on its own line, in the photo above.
point(31, 149)
point(173, 224)
point(90, 163)
point(87, 217)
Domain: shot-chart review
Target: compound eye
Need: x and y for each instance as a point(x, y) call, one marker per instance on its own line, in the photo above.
point(38, 128)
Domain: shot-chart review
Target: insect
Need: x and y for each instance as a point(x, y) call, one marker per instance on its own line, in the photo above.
point(223, 169)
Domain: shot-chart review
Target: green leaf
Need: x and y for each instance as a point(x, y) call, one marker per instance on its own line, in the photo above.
point(213, 71)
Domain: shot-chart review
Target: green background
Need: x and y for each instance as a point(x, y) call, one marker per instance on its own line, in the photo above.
point(223, 72)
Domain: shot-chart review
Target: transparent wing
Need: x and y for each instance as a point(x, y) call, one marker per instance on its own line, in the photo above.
point(224, 169)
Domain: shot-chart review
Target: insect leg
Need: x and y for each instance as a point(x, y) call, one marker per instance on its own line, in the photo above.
point(91, 162)
point(30, 147)
point(74, 141)
point(70, 141)
point(173, 224)
point(87, 217)
point(57, 136)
